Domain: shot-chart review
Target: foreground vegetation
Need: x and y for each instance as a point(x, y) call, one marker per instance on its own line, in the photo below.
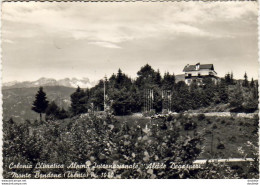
point(105, 139)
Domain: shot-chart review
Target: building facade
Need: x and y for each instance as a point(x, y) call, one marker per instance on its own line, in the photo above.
point(196, 73)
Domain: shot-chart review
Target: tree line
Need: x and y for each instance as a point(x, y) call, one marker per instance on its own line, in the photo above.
point(124, 95)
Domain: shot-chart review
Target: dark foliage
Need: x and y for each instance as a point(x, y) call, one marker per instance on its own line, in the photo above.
point(79, 102)
point(41, 103)
point(125, 96)
point(104, 140)
point(53, 112)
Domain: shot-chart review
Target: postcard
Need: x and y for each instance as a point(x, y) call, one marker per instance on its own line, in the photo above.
point(130, 90)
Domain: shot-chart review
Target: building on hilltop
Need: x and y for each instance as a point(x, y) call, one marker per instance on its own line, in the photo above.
point(196, 73)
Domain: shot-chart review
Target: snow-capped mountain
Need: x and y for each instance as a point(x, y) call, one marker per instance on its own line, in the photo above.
point(67, 82)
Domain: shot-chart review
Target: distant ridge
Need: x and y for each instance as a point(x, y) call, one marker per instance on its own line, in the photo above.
point(66, 82)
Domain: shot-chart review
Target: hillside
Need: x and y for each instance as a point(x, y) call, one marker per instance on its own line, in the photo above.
point(125, 140)
point(17, 102)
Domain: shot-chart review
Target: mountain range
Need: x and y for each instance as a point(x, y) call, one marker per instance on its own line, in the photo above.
point(66, 82)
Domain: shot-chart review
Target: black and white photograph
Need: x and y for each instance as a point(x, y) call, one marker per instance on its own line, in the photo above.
point(130, 90)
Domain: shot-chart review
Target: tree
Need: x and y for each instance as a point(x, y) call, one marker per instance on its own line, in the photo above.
point(78, 102)
point(137, 98)
point(195, 94)
point(52, 111)
point(146, 77)
point(232, 79)
point(122, 80)
point(158, 78)
point(168, 81)
point(40, 103)
point(245, 82)
point(236, 99)
point(181, 98)
point(122, 101)
point(119, 77)
point(222, 92)
point(250, 104)
point(209, 90)
point(252, 83)
point(63, 114)
point(228, 79)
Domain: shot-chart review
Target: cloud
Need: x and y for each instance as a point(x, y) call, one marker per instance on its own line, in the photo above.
point(105, 44)
point(82, 36)
point(135, 21)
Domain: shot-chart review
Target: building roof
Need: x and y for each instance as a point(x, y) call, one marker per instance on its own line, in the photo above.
point(201, 66)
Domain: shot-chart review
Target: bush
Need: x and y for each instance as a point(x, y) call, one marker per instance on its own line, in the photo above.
point(233, 138)
point(187, 126)
point(149, 113)
point(169, 117)
point(201, 117)
point(221, 146)
point(209, 122)
point(208, 132)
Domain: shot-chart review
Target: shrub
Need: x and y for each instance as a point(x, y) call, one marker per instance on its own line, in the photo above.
point(241, 123)
point(164, 126)
point(169, 117)
point(238, 168)
point(221, 146)
point(233, 138)
point(208, 132)
point(201, 117)
point(188, 126)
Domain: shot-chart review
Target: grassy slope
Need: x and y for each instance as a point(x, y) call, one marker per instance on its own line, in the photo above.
point(232, 132)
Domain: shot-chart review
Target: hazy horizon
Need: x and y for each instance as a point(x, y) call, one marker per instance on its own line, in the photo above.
point(73, 39)
point(108, 76)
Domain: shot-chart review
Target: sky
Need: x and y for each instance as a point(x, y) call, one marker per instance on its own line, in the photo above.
point(75, 39)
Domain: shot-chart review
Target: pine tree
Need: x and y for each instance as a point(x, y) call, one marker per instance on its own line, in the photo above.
point(252, 83)
point(236, 99)
point(245, 82)
point(40, 103)
point(78, 102)
point(63, 114)
point(119, 77)
point(228, 79)
point(158, 78)
point(168, 81)
point(52, 111)
point(146, 77)
point(232, 78)
point(222, 92)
